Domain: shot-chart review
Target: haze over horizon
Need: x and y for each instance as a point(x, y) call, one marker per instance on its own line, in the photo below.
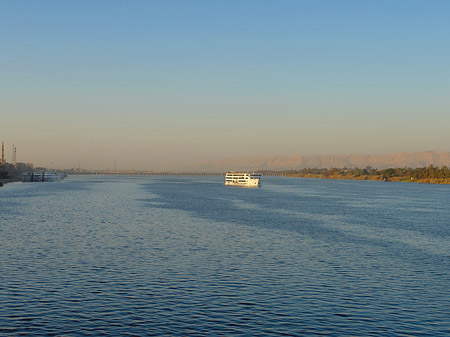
point(164, 85)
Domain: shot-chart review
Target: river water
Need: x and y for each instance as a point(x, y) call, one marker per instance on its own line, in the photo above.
point(187, 256)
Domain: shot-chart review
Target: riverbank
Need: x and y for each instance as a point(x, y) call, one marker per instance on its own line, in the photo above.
point(425, 175)
point(372, 178)
point(3, 182)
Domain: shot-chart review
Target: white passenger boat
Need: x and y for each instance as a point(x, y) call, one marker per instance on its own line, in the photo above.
point(37, 176)
point(43, 176)
point(244, 179)
point(51, 176)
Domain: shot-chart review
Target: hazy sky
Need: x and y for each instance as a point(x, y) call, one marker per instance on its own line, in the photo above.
point(162, 84)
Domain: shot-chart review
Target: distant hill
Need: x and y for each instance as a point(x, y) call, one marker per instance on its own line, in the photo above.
point(383, 161)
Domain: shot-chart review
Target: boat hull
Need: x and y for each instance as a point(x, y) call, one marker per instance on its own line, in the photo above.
point(243, 185)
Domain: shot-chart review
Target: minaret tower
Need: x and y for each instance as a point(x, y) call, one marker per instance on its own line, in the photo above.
point(14, 156)
point(3, 154)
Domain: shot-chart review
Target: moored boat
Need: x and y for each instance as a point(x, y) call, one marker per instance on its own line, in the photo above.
point(51, 176)
point(43, 176)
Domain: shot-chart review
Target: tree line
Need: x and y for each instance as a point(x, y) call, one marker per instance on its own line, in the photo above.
point(391, 174)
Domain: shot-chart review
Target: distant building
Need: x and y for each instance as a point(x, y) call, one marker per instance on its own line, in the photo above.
point(24, 167)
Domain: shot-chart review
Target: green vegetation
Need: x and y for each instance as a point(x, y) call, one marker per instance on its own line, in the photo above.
point(430, 174)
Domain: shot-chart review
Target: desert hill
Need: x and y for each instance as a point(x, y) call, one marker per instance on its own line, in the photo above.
point(383, 161)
